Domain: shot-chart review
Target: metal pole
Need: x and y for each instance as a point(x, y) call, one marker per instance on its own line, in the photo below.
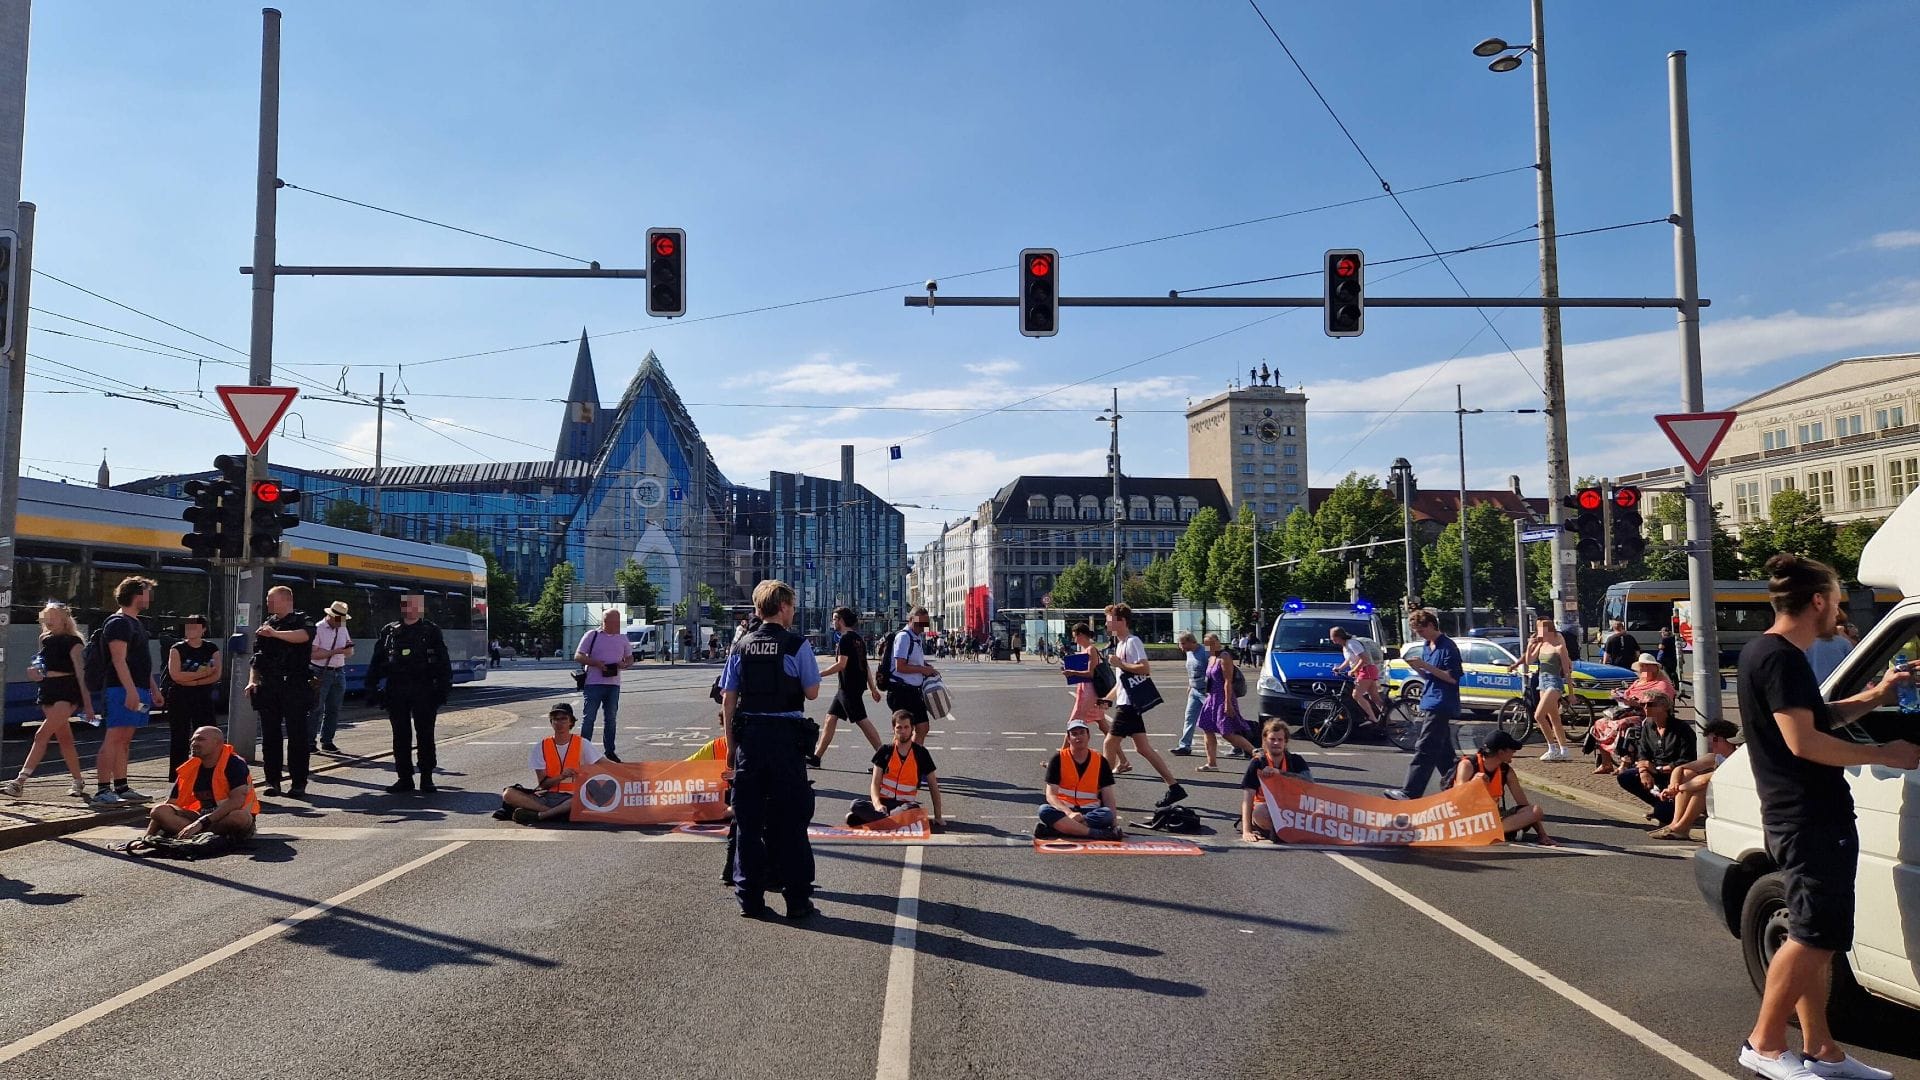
point(15, 21)
point(1405, 469)
point(1686, 275)
point(1466, 550)
point(1565, 601)
point(1256, 574)
point(1119, 508)
point(250, 596)
point(379, 446)
point(1519, 578)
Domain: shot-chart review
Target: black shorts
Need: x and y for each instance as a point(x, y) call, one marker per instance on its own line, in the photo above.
point(909, 699)
point(849, 706)
point(1819, 863)
point(56, 691)
point(1127, 721)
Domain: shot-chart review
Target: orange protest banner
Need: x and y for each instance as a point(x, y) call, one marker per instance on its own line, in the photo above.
point(1117, 847)
point(908, 824)
point(651, 793)
point(1304, 813)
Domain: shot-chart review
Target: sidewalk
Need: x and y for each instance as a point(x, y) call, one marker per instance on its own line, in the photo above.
point(46, 811)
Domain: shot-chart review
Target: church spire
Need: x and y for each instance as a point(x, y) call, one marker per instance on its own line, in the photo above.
point(580, 428)
point(584, 387)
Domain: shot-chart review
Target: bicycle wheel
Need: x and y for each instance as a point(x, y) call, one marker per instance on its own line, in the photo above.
point(1576, 715)
point(1402, 724)
point(1516, 719)
point(1326, 723)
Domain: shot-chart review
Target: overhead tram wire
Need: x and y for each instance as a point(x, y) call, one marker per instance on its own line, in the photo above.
point(291, 186)
point(1388, 188)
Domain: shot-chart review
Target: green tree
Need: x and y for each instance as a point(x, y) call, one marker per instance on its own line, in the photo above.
point(709, 604)
point(1668, 561)
point(1794, 526)
point(1357, 511)
point(506, 614)
point(1849, 543)
point(1084, 585)
point(637, 587)
point(347, 514)
point(544, 617)
point(1490, 541)
point(1190, 555)
point(1153, 587)
point(1230, 570)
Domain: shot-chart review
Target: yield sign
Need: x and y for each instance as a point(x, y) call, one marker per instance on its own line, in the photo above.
point(255, 410)
point(1696, 435)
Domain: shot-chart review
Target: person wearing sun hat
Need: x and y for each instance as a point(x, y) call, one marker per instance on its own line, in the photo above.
point(332, 644)
point(1080, 801)
point(556, 762)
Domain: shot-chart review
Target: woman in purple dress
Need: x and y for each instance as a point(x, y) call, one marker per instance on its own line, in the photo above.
point(1220, 713)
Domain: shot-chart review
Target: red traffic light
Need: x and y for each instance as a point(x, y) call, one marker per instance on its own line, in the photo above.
point(1040, 266)
point(1626, 498)
point(266, 491)
point(1590, 498)
point(1346, 267)
point(663, 246)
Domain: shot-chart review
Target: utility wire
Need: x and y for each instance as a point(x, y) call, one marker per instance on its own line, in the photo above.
point(290, 185)
point(1388, 188)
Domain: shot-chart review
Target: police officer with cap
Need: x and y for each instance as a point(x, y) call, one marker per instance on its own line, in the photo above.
point(412, 672)
point(770, 676)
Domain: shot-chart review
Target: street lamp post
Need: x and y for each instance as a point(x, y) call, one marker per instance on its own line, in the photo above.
point(1460, 412)
point(1402, 474)
point(1559, 477)
point(1112, 417)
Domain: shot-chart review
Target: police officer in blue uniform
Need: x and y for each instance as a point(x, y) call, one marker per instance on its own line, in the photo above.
point(769, 678)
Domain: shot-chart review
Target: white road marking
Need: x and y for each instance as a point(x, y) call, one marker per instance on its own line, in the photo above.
point(503, 833)
point(896, 1019)
point(160, 982)
point(1613, 1018)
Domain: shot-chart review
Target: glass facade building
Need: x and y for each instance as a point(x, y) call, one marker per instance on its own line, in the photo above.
point(837, 545)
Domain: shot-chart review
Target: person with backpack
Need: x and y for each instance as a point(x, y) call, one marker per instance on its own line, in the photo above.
point(120, 669)
point(1220, 713)
point(1493, 765)
point(1362, 659)
point(1130, 705)
point(904, 670)
point(1256, 817)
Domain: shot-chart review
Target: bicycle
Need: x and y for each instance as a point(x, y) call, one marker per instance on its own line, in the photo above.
point(1331, 720)
point(1516, 716)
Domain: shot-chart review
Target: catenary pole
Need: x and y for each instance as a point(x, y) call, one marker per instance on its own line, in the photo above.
point(1466, 551)
point(15, 20)
point(1686, 275)
point(1565, 601)
point(1119, 508)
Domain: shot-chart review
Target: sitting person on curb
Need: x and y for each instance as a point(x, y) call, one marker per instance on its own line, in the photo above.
point(899, 768)
point(1665, 744)
point(556, 763)
point(1688, 788)
point(1256, 818)
point(1494, 764)
point(1080, 800)
point(212, 793)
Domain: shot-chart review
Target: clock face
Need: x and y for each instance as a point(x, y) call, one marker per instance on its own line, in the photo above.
point(648, 492)
point(1269, 431)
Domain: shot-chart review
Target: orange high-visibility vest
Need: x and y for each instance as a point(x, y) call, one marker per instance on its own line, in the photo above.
point(1080, 786)
point(715, 750)
point(189, 775)
point(555, 766)
point(902, 778)
point(1496, 780)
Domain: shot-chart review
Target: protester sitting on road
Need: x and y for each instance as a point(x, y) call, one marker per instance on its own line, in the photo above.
point(1494, 765)
point(1080, 799)
point(1273, 758)
point(899, 768)
point(1688, 788)
point(1628, 710)
point(556, 762)
point(212, 792)
point(1665, 744)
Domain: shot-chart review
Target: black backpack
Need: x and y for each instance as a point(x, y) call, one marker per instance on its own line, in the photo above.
point(1175, 819)
point(883, 678)
point(97, 659)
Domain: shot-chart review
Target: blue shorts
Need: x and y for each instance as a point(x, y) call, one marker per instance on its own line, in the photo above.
point(1552, 680)
point(118, 715)
point(1097, 818)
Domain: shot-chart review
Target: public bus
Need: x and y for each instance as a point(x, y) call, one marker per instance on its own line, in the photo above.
point(76, 543)
point(1741, 611)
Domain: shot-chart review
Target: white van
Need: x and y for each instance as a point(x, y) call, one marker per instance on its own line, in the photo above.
point(645, 639)
point(1734, 872)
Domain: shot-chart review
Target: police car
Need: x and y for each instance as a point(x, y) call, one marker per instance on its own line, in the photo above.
point(1486, 684)
point(1301, 654)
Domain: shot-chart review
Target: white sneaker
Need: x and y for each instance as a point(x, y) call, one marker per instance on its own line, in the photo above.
point(105, 798)
point(1848, 1066)
point(13, 788)
point(1788, 1066)
point(78, 790)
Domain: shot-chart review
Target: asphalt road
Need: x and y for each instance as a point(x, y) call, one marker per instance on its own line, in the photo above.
point(370, 935)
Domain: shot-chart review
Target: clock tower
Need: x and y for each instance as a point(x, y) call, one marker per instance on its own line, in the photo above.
point(1253, 440)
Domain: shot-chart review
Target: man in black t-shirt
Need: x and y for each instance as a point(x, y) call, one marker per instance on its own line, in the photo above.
point(1806, 809)
point(1620, 649)
point(856, 678)
point(1666, 743)
point(281, 689)
point(900, 769)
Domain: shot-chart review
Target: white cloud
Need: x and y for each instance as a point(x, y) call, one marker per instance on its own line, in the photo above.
point(994, 367)
point(1895, 240)
point(819, 375)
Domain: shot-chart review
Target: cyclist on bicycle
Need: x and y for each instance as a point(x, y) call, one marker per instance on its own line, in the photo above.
point(1494, 765)
point(1360, 662)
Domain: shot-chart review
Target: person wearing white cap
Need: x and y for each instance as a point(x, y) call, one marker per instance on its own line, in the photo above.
point(1080, 801)
point(332, 644)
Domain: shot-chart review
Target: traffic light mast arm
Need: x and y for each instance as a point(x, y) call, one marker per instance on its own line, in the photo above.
point(921, 300)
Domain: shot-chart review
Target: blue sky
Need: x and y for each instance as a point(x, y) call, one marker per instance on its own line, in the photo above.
point(817, 149)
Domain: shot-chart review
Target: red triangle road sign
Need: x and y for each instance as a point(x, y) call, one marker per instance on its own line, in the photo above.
point(255, 410)
point(1696, 435)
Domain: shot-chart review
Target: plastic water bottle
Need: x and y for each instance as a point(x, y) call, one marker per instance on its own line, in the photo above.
point(1908, 693)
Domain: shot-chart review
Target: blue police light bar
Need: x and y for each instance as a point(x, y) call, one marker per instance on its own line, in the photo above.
point(1294, 603)
point(1363, 607)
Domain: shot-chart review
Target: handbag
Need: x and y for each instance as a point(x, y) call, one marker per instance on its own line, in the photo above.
point(580, 675)
point(1102, 679)
point(1142, 695)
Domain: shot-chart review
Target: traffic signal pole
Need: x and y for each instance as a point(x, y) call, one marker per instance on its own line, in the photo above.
point(1686, 279)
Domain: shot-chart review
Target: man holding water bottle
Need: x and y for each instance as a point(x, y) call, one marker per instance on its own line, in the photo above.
point(1806, 809)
